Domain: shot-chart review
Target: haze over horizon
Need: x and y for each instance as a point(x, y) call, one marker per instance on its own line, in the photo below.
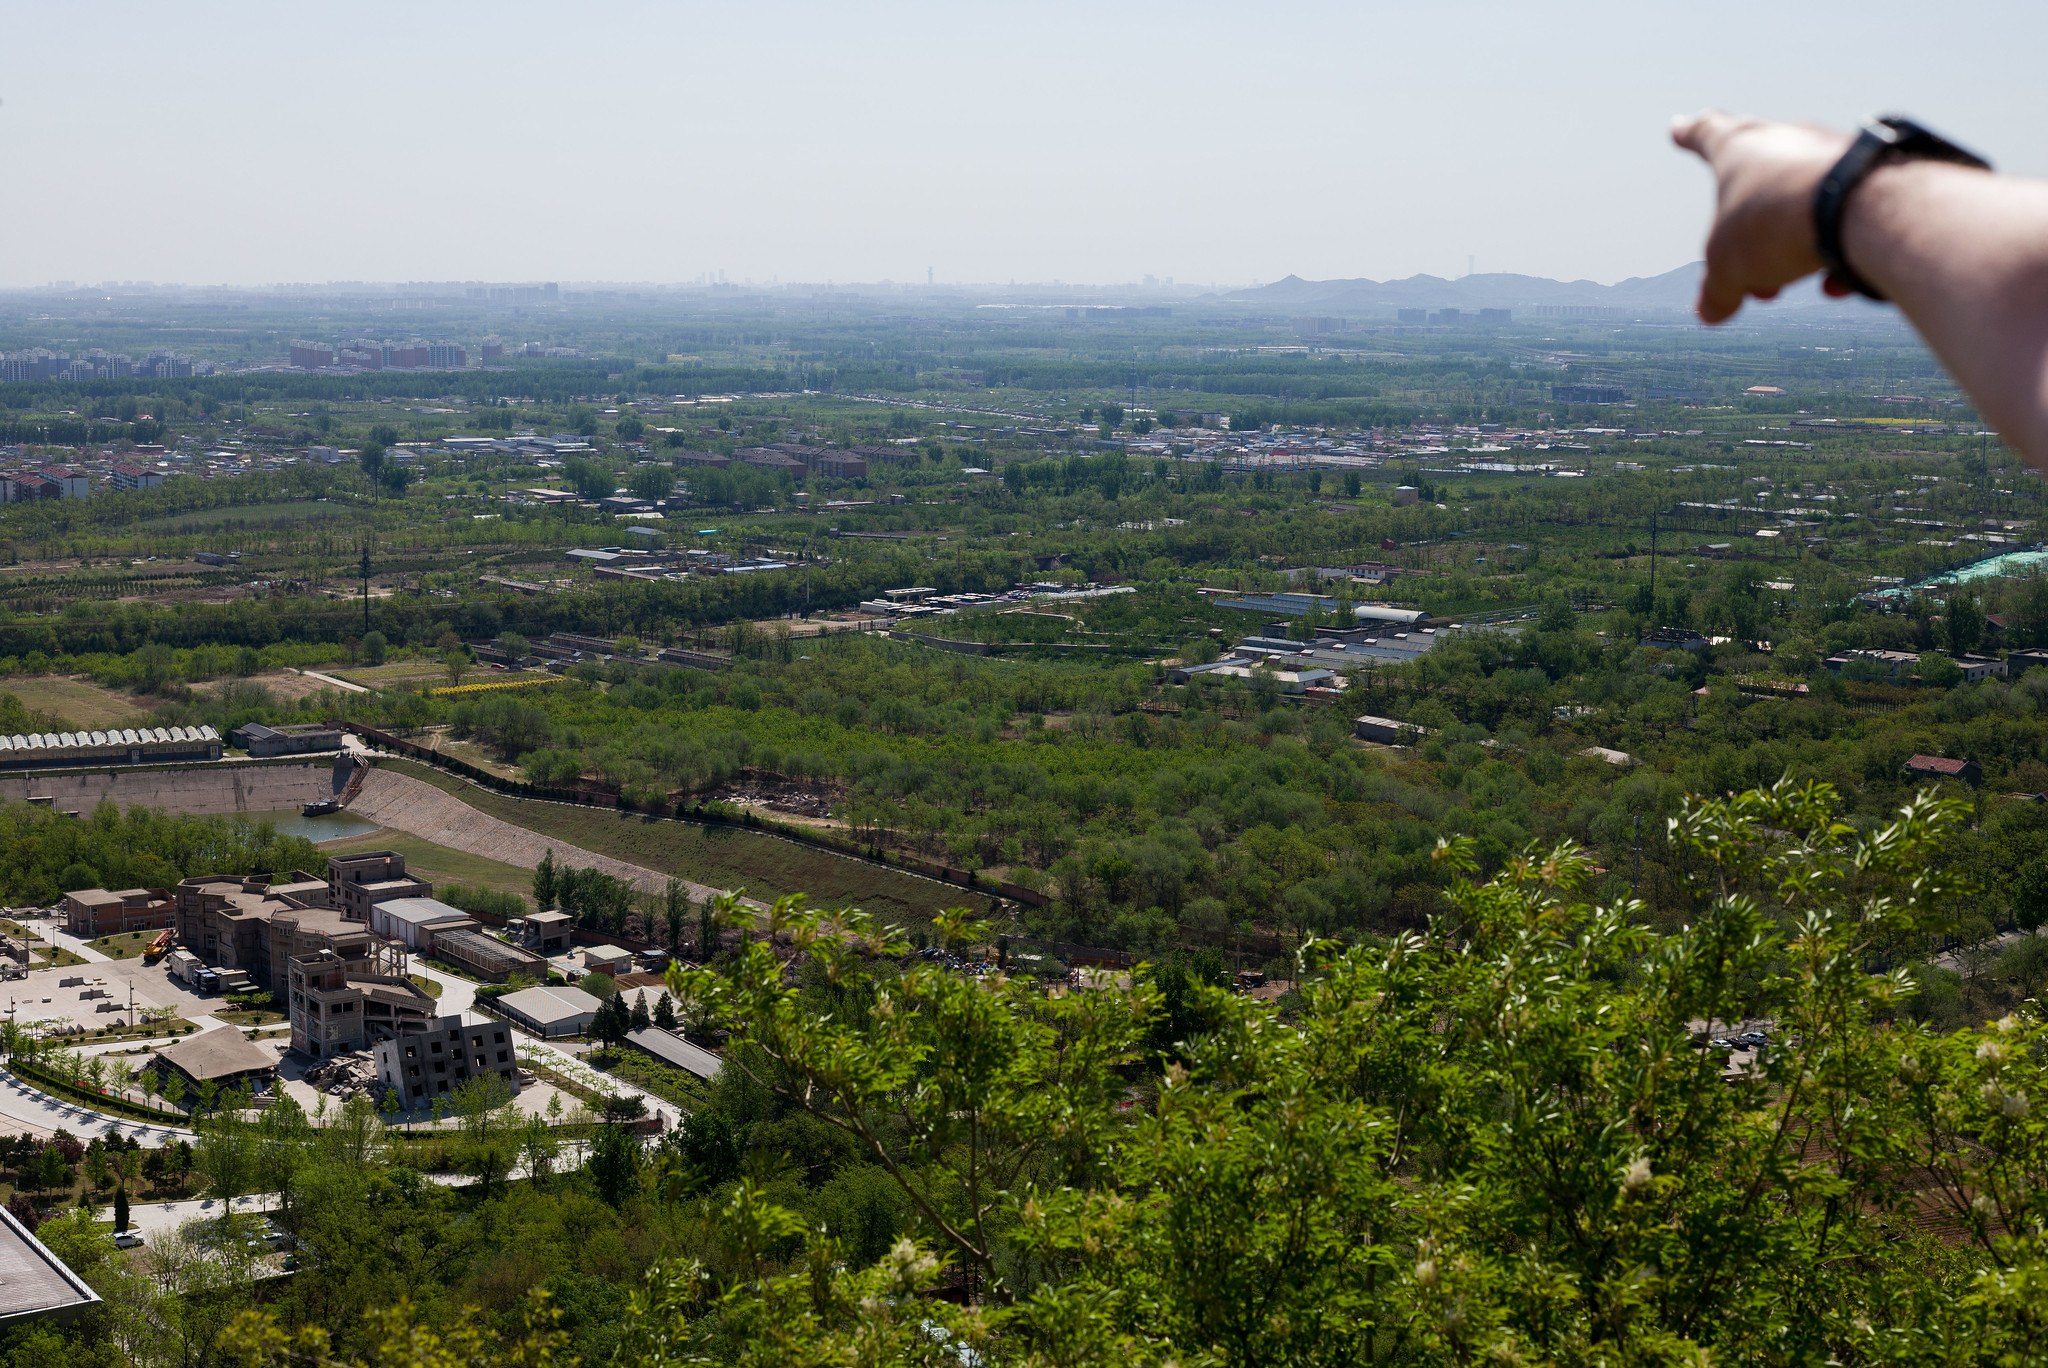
point(1069, 144)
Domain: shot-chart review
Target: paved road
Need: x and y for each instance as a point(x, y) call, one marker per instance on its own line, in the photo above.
point(26, 1110)
point(57, 935)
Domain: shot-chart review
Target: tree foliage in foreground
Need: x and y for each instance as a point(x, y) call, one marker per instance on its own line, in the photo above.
point(1497, 1142)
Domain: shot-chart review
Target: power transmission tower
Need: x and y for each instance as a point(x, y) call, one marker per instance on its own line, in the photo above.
point(366, 588)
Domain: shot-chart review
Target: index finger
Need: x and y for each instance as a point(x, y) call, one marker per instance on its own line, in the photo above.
point(1701, 133)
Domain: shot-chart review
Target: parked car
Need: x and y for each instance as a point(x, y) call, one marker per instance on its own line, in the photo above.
point(127, 1239)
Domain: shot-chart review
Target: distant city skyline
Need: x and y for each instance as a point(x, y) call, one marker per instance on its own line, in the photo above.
point(910, 143)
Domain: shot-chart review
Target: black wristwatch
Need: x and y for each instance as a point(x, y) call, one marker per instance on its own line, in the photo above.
point(1889, 138)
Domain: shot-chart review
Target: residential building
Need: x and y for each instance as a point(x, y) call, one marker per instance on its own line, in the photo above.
point(312, 355)
point(768, 458)
point(93, 912)
point(71, 484)
point(1940, 767)
point(443, 1054)
point(127, 476)
point(840, 465)
point(27, 486)
point(447, 356)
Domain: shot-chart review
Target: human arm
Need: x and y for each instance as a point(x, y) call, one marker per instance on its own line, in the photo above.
point(1963, 253)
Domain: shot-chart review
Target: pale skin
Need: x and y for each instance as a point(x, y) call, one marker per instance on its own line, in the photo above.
point(1963, 253)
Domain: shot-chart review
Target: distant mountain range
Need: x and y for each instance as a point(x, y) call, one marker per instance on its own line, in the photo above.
point(1672, 292)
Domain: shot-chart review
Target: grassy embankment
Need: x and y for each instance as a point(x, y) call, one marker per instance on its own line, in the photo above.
point(723, 857)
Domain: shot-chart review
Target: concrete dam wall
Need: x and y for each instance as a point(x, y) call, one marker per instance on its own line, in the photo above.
point(219, 790)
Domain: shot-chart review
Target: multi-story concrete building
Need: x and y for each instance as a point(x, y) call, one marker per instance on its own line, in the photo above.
point(127, 475)
point(71, 484)
point(358, 882)
point(445, 1053)
point(335, 1007)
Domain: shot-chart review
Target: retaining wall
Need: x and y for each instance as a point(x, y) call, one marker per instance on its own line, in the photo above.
point(220, 790)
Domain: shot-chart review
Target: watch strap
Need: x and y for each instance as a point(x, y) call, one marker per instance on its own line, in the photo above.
point(1881, 140)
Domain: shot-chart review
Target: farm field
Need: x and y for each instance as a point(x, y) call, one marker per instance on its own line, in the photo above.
point(78, 701)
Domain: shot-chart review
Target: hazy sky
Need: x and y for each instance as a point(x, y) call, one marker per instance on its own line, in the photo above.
point(225, 143)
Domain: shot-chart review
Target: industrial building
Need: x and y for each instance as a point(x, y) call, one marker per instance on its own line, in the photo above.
point(550, 1012)
point(670, 1048)
point(413, 921)
point(294, 739)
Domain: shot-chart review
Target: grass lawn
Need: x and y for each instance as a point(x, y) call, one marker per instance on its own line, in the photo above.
point(431, 987)
point(79, 701)
point(376, 676)
point(254, 515)
point(146, 1030)
point(125, 946)
point(250, 1016)
point(438, 864)
point(724, 857)
point(60, 958)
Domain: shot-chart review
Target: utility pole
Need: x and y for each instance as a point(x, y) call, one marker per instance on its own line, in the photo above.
point(366, 587)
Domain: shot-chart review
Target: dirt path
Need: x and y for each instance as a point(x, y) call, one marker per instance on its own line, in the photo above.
point(398, 800)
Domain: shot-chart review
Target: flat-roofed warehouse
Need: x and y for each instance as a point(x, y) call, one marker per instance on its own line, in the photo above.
point(550, 1012)
point(670, 1048)
point(34, 1283)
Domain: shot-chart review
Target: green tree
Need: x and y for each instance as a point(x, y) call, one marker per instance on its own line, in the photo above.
point(651, 482)
point(616, 1162)
point(545, 889)
point(483, 1106)
point(1939, 671)
point(225, 1152)
point(375, 646)
point(1963, 623)
point(675, 912)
